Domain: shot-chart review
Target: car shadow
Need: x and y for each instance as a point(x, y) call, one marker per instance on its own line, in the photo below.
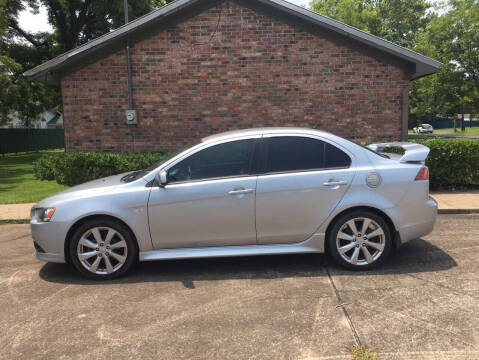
point(416, 256)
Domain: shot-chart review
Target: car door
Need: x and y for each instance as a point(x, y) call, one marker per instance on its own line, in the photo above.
point(303, 180)
point(209, 199)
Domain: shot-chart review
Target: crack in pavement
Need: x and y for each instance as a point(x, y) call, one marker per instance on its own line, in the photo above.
point(342, 305)
point(17, 238)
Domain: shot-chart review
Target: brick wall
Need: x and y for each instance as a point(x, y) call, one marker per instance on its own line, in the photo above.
point(231, 67)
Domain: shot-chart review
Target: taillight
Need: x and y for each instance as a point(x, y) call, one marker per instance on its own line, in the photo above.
point(423, 174)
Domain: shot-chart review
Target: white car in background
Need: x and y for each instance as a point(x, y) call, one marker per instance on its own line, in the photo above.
point(423, 129)
point(261, 191)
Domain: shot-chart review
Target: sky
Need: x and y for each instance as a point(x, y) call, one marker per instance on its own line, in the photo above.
point(34, 22)
point(38, 22)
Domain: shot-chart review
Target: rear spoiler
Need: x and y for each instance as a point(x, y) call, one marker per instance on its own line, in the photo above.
point(413, 152)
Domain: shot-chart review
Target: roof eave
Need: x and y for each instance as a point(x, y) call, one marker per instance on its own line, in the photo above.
point(48, 71)
point(425, 70)
point(45, 71)
point(426, 64)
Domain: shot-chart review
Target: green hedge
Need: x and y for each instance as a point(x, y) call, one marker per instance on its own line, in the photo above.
point(452, 163)
point(76, 168)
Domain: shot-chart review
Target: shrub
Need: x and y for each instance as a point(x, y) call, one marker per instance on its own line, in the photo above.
point(76, 168)
point(44, 167)
point(452, 162)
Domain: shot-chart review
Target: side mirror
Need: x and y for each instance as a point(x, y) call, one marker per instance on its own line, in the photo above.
point(161, 178)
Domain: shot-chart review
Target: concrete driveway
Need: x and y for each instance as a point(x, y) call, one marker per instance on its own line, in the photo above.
point(423, 305)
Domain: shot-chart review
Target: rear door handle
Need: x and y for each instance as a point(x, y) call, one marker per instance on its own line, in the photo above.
point(239, 191)
point(335, 183)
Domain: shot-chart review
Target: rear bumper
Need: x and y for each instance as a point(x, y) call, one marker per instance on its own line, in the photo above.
point(419, 221)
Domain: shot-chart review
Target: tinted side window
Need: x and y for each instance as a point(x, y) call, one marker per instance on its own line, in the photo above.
point(222, 160)
point(336, 158)
point(292, 153)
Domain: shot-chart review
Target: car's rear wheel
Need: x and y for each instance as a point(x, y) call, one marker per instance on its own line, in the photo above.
point(360, 240)
point(103, 249)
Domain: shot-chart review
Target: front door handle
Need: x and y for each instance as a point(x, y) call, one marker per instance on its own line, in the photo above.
point(239, 191)
point(335, 182)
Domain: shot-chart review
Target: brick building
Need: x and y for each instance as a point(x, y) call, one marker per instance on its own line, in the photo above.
point(200, 67)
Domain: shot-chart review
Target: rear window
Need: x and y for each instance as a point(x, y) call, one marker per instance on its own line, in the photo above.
point(336, 158)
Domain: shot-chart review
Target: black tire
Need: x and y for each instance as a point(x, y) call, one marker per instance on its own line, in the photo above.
point(124, 234)
point(340, 222)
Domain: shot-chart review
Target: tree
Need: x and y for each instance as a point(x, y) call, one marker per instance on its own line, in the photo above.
point(450, 36)
point(360, 14)
point(453, 39)
point(74, 21)
point(18, 97)
point(77, 21)
point(394, 20)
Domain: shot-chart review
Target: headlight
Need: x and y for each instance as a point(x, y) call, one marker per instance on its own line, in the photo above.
point(42, 214)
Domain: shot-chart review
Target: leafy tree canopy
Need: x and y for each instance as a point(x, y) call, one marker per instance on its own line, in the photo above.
point(448, 33)
point(394, 20)
point(74, 22)
point(453, 39)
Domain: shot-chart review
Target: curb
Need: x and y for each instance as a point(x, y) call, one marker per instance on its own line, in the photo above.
point(14, 221)
point(447, 136)
point(458, 211)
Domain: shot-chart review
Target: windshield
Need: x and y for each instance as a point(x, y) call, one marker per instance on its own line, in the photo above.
point(140, 173)
point(426, 126)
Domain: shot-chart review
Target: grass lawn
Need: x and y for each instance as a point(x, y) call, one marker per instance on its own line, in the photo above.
point(17, 183)
point(469, 131)
point(360, 353)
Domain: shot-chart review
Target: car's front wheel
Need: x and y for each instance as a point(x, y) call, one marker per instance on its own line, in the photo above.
point(360, 240)
point(103, 249)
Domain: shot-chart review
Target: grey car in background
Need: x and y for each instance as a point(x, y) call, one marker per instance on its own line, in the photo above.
point(260, 191)
point(423, 129)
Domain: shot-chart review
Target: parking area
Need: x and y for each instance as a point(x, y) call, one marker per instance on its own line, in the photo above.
point(423, 304)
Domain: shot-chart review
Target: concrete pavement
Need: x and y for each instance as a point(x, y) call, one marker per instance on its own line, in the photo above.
point(15, 211)
point(422, 305)
point(455, 201)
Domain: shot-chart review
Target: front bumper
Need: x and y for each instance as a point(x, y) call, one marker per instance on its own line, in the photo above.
point(48, 257)
point(50, 239)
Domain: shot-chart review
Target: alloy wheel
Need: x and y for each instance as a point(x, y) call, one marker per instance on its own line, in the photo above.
point(102, 250)
point(360, 241)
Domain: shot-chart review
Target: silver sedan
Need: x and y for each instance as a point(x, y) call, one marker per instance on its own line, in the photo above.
point(261, 191)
